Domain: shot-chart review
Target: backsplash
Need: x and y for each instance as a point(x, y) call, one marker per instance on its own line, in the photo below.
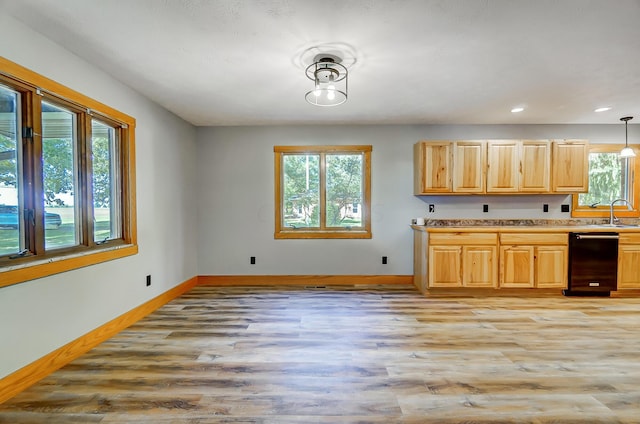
point(496, 207)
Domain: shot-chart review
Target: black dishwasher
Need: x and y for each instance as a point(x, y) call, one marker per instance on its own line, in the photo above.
point(593, 264)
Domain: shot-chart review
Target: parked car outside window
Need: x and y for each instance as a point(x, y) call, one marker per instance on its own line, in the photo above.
point(9, 218)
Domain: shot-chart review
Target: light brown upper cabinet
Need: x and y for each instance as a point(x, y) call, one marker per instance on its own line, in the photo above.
point(503, 166)
point(570, 170)
point(469, 163)
point(500, 166)
point(535, 164)
point(518, 166)
point(432, 164)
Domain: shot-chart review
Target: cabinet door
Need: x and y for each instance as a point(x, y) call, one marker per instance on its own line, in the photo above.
point(570, 166)
point(516, 266)
point(432, 167)
point(444, 266)
point(469, 160)
point(502, 166)
point(551, 266)
point(629, 267)
point(535, 157)
point(479, 266)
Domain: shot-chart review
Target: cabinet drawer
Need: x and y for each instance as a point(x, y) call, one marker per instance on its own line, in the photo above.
point(464, 238)
point(534, 238)
point(629, 238)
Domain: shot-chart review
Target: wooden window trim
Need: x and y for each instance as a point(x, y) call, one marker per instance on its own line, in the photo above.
point(621, 211)
point(330, 233)
point(54, 262)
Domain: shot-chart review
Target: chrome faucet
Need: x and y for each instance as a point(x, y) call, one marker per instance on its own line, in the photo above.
point(612, 218)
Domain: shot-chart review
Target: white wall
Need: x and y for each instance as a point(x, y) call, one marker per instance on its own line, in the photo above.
point(236, 206)
point(39, 316)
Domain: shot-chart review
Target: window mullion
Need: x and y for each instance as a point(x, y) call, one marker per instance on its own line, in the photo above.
point(323, 191)
point(85, 173)
point(32, 174)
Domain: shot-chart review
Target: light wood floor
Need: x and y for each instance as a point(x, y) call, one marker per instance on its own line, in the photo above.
point(354, 355)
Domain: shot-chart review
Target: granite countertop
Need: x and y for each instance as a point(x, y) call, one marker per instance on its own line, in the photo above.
point(536, 225)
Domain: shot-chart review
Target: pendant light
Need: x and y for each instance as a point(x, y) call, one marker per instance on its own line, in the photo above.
point(627, 152)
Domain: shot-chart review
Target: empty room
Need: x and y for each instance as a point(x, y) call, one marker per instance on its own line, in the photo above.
point(280, 211)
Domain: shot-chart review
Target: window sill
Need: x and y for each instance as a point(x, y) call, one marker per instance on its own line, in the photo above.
point(301, 234)
point(585, 212)
point(27, 270)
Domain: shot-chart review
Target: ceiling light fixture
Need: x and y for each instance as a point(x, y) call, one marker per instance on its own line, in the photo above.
point(329, 78)
point(627, 152)
point(517, 109)
point(602, 109)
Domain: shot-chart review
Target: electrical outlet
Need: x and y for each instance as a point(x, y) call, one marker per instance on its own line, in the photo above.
point(564, 208)
point(432, 208)
point(252, 260)
point(148, 280)
point(485, 208)
point(545, 208)
point(384, 260)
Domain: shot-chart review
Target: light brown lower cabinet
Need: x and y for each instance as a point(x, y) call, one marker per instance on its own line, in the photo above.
point(533, 260)
point(508, 260)
point(420, 277)
point(517, 266)
point(444, 266)
point(463, 260)
point(629, 261)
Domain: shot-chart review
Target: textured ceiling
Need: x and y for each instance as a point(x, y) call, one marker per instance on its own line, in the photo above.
point(223, 62)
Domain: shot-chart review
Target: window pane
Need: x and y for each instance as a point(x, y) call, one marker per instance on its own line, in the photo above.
point(344, 190)
point(60, 176)
point(106, 192)
point(301, 194)
point(10, 210)
point(607, 179)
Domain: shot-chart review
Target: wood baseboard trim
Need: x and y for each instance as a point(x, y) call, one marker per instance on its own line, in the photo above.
point(303, 280)
point(18, 381)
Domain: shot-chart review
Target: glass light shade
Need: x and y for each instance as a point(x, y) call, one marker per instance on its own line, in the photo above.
point(627, 152)
point(329, 81)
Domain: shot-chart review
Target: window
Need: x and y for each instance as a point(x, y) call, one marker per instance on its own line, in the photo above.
point(610, 177)
point(323, 191)
point(66, 178)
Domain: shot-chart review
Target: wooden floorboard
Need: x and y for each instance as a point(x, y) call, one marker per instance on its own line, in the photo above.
point(363, 354)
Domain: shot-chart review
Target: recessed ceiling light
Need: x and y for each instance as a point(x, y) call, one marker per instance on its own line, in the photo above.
point(602, 109)
point(517, 109)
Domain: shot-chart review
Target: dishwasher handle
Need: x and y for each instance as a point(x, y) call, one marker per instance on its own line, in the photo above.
point(597, 236)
